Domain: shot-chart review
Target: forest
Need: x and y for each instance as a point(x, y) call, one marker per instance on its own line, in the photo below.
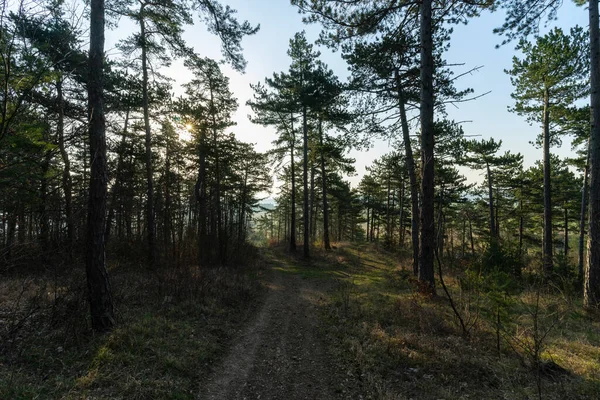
point(149, 251)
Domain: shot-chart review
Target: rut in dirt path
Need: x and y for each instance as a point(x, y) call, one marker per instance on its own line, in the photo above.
point(279, 355)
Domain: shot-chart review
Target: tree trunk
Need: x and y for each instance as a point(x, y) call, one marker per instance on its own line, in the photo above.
point(44, 221)
point(372, 225)
point(582, 219)
point(150, 225)
point(368, 222)
point(591, 292)
point(547, 190)
point(293, 194)
point(426, 247)
point(221, 240)
point(401, 216)
point(305, 180)
point(279, 228)
point(566, 244)
point(66, 176)
point(100, 297)
point(242, 226)
point(22, 229)
point(471, 237)
point(497, 211)
point(392, 219)
point(440, 233)
point(167, 205)
point(491, 204)
point(412, 176)
point(10, 233)
point(340, 223)
point(285, 222)
point(464, 238)
point(203, 248)
point(450, 249)
point(388, 237)
point(313, 217)
point(326, 243)
point(116, 188)
point(521, 226)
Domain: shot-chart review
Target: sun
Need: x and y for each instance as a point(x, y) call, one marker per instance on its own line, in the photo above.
point(185, 134)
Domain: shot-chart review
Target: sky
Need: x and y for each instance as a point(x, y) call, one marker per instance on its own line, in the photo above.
point(472, 45)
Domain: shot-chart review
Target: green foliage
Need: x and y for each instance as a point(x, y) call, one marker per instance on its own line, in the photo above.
point(555, 66)
point(221, 21)
point(497, 270)
point(565, 276)
point(503, 260)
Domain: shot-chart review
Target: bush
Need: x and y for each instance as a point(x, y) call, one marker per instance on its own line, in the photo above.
point(501, 259)
point(564, 276)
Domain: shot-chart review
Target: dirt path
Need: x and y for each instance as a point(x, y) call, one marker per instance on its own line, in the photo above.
point(279, 355)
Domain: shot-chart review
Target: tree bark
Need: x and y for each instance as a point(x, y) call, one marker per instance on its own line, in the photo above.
point(521, 226)
point(426, 247)
point(285, 222)
point(293, 194)
point(10, 233)
point(566, 243)
point(547, 189)
point(44, 219)
point(305, 179)
point(167, 218)
point(373, 225)
point(221, 240)
point(388, 233)
point(497, 211)
point(99, 291)
point(491, 203)
point(368, 221)
point(116, 188)
point(412, 177)
point(591, 292)
point(313, 211)
point(66, 175)
point(326, 243)
point(242, 223)
point(22, 229)
point(582, 219)
point(464, 238)
point(340, 222)
point(401, 216)
point(150, 225)
point(471, 237)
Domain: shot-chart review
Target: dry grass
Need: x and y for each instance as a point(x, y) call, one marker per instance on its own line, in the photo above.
point(172, 327)
point(400, 345)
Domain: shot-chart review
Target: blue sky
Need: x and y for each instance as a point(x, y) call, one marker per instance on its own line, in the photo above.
point(473, 45)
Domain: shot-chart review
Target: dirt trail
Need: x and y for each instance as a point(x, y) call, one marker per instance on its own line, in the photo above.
point(279, 355)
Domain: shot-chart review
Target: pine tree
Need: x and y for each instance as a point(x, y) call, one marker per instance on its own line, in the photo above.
point(551, 75)
point(523, 18)
point(481, 154)
point(100, 297)
point(274, 105)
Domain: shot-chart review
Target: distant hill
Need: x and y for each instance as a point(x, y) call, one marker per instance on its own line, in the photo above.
point(267, 205)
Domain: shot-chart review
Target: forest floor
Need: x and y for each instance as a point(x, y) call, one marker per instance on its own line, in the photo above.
point(172, 326)
point(280, 354)
point(347, 324)
point(350, 324)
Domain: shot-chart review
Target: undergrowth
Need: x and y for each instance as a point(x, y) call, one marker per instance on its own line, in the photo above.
point(173, 324)
point(400, 345)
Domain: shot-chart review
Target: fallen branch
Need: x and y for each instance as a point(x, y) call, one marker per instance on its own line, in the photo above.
point(460, 319)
